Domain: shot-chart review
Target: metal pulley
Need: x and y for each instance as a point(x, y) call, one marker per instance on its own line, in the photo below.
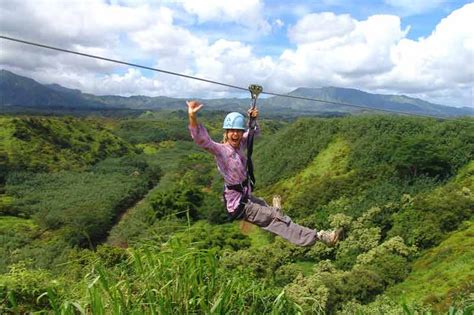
point(255, 90)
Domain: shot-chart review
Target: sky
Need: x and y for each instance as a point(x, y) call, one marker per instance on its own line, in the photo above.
point(422, 49)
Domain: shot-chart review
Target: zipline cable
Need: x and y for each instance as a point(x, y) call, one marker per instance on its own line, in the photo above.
point(216, 82)
point(121, 62)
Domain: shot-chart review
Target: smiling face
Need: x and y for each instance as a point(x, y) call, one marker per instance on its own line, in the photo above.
point(234, 136)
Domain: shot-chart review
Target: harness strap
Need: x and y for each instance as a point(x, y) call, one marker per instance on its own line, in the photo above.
point(250, 174)
point(238, 187)
point(239, 212)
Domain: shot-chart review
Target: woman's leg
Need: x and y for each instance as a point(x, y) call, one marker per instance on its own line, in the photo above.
point(259, 201)
point(258, 212)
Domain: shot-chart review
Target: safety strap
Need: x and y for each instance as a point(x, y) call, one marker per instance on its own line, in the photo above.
point(238, 187)
point(255, 90)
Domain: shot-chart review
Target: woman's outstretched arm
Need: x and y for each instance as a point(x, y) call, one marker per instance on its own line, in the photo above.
point(198, 132)
point(193, 108)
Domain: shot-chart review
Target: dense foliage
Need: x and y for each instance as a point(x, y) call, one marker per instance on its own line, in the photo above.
point(84, 205)
point(140, 227)
point(352, 164)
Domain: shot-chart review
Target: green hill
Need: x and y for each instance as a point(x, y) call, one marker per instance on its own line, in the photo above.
point(351, 164)
point(443, 275)
point(23, 91)
point(52, 144)
point(402, 187)
point(73, 177)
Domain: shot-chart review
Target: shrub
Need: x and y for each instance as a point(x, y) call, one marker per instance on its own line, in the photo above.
point(21, 290)
point(180, 202)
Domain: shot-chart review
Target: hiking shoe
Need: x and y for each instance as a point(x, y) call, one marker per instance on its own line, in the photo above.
point(277, 201)
point(330, 238)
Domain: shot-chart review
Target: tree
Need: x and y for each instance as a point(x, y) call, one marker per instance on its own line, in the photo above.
point(180, 202)
point(421, 154)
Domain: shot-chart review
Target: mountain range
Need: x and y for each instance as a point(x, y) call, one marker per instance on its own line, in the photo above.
point(21, 92)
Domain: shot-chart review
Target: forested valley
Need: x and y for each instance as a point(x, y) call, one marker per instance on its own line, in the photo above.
point(123, 215)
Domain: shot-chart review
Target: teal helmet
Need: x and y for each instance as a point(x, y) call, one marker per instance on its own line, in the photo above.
point(234, 120)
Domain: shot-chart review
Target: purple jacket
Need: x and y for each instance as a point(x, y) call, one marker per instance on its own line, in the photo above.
point(231, 163)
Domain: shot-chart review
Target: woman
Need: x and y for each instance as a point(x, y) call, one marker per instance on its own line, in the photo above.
point(231, 163)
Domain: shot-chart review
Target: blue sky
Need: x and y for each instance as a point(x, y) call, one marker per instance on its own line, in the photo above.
point(421, 21)
point(421, 49)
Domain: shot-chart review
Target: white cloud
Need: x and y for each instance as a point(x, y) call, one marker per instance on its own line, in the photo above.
point(442, 61)
point(248, 13)
point(89, 26)
point(131, 83)
point(375, 55)
point(93, 27)
point(166, 40)
point(144, 30)
point(372, 54)
point(338, 50)
point(87, 22)
point(233, 63)
point(320, 26)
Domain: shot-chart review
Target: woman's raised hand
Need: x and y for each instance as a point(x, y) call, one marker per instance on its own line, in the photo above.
point(253, 113)
point(193, 107)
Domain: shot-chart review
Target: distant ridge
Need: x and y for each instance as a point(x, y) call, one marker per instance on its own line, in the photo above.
point(19, 91)
point(16, 90)
point(377, 101)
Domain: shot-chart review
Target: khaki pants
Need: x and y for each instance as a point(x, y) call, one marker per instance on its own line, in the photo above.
point(271, 219)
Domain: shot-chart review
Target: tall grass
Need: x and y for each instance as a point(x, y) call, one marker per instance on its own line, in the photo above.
point(176, 279)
